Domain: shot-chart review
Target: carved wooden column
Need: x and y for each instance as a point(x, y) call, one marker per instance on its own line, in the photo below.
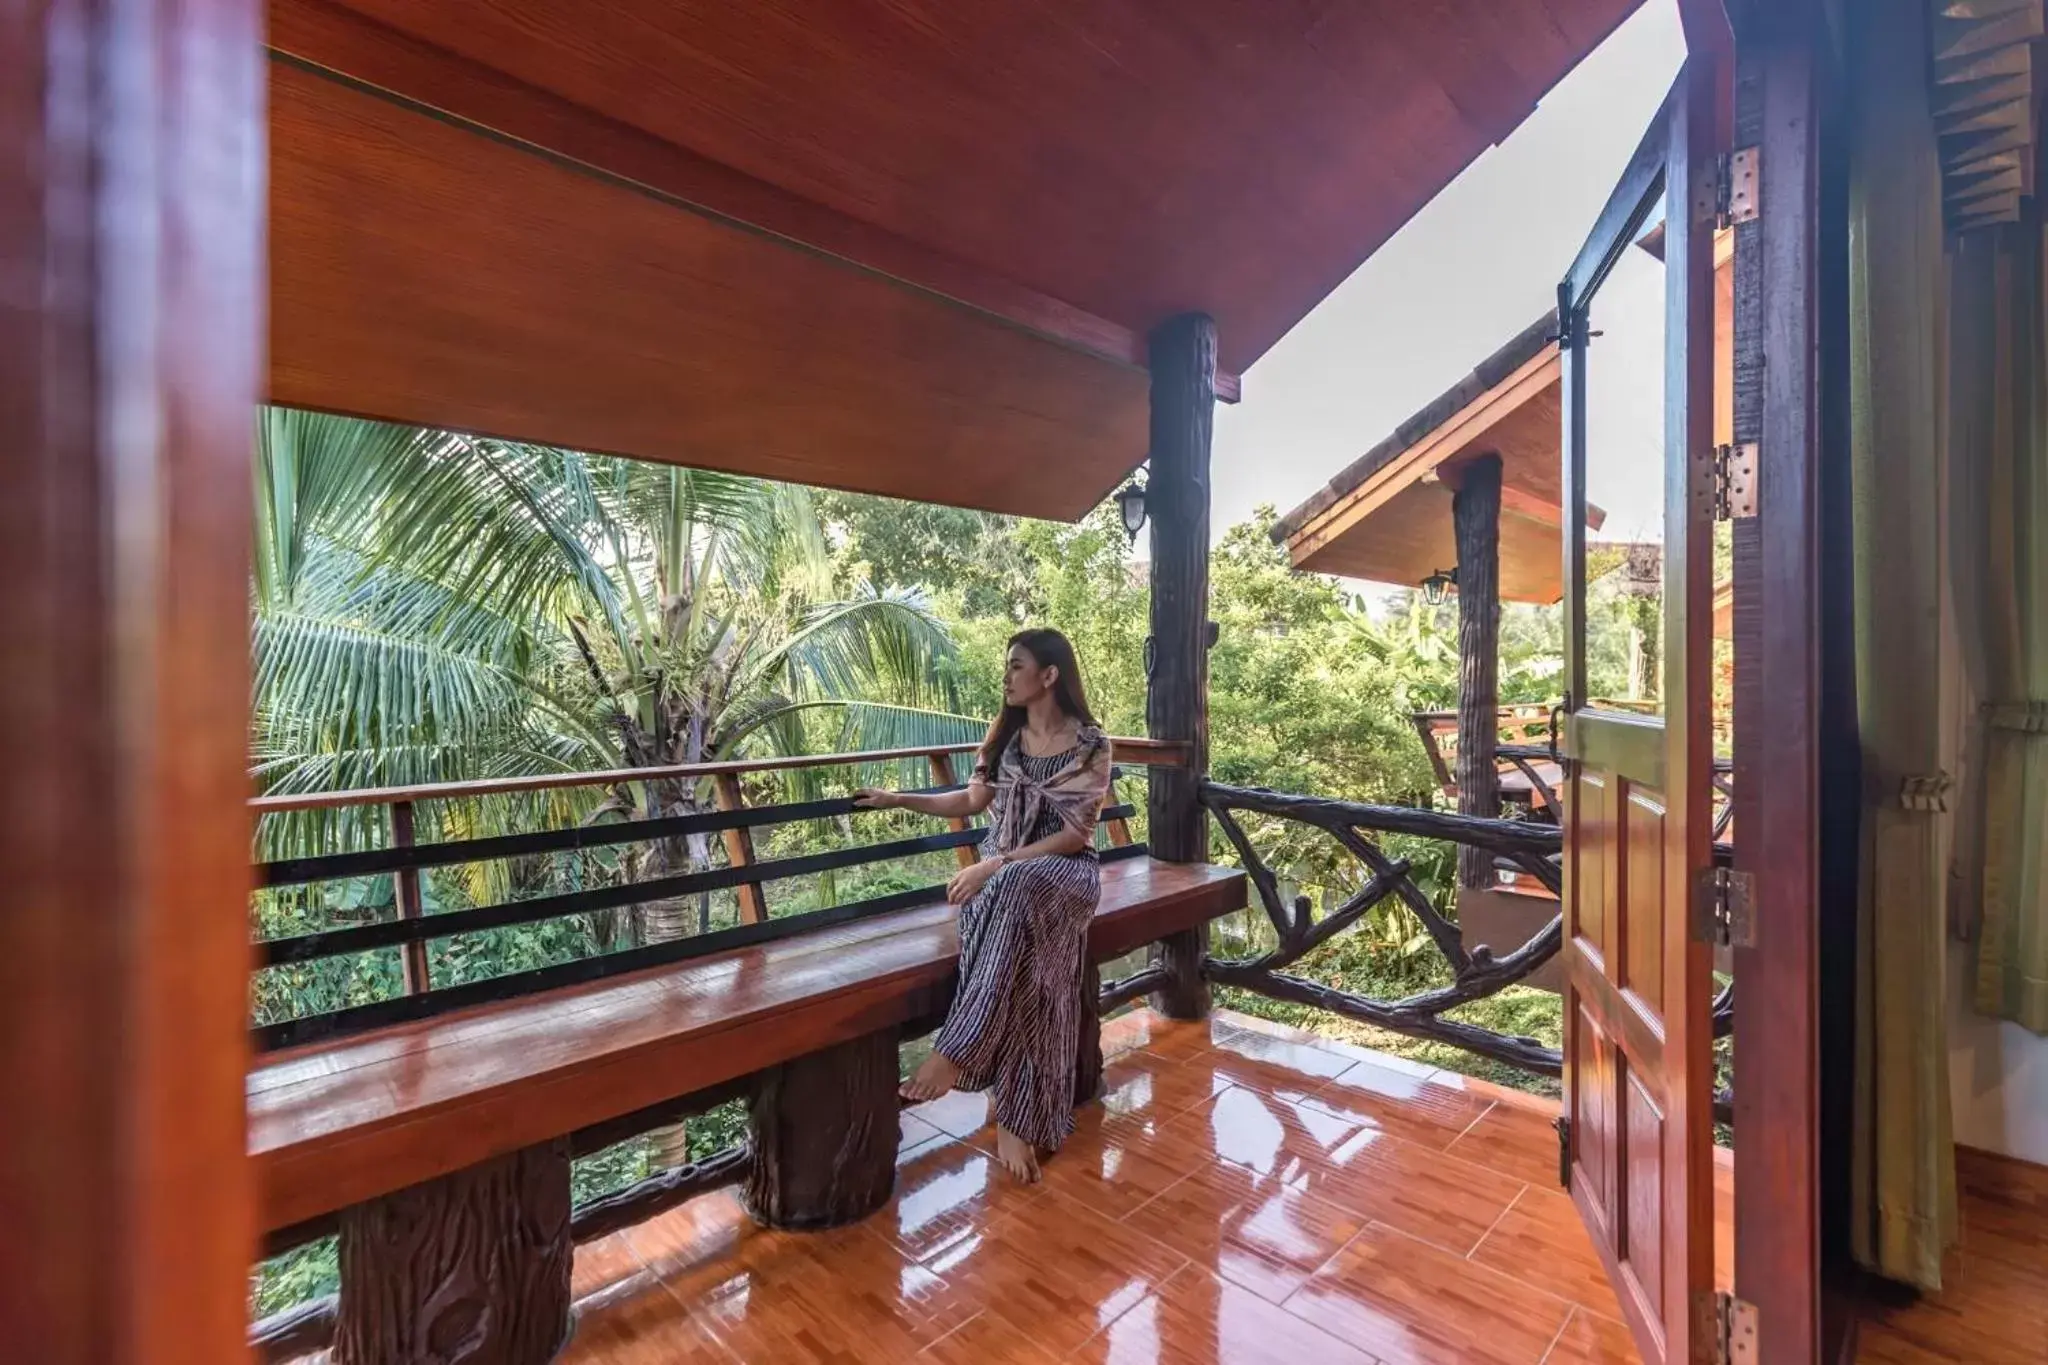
point(1475, 518)
point(470, 1269)
point(1183, 362)
point(825, 1129)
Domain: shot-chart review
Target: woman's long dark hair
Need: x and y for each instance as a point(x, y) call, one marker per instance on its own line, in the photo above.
point(1051, 650)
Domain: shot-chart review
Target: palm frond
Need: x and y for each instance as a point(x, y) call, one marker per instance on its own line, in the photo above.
point(882, 646)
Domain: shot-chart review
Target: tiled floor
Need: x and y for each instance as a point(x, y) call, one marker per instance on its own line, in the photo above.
point(1243, 1194)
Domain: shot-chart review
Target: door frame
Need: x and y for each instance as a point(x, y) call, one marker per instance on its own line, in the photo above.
point(1797, 791)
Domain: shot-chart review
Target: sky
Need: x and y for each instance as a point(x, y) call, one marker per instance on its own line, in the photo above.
point(1476, 266)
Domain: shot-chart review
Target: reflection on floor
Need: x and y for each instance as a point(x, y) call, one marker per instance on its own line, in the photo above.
point(1244, 1193)
point(1994, 1308)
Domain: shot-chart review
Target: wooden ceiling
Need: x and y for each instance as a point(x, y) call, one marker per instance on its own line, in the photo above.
point(1041, 184)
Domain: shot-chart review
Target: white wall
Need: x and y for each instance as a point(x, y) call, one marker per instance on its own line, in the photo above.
point(1997, 1074)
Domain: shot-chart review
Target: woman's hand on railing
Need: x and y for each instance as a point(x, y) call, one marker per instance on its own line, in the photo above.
point(874, 798)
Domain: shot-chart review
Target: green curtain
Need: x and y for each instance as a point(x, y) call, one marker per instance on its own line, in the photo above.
point(1902, 1159)
point(2000, 437)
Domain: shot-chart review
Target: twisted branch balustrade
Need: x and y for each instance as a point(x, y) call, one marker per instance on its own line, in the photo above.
point(1477, 971)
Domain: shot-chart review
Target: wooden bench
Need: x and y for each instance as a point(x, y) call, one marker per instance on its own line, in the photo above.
point(440, 1144)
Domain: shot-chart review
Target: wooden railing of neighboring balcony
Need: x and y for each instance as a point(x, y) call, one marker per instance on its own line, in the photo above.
point(1477, 970)
point(722, 811)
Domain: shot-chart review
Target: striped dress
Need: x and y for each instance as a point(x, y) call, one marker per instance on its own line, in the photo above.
point(1014, 1027)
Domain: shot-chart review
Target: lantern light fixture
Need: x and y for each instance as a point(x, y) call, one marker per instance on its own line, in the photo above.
point(1439, 586)
point(1130, 501)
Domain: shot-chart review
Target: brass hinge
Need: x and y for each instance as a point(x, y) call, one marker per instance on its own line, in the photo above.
point(1728, 1325)
point(1738, 189)
point(1564, 1150)
point(1724, 908)
point(1735, 481)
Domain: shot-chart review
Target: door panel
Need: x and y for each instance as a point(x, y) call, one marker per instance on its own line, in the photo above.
point(1642, 957)
point(1638, 1066)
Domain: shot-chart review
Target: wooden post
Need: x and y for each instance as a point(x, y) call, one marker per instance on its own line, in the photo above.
point(1475, 519)
point(1183, 363)
point(131, 337)
point(944, 774)
point(739, 849)
point(470, 1269)
point(406, 887)
point(825, 1130)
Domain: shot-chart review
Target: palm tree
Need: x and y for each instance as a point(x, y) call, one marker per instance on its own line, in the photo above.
point(434, 607)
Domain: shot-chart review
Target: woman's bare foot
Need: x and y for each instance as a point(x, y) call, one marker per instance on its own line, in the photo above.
point(931, 1080)
point(1019, 1157)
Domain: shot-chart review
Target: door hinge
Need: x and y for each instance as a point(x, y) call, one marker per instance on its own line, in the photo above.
point(1724, 908)
point(1564, 1151)
point(1738, 192)
point(1735, 481)
point(1728, 1327)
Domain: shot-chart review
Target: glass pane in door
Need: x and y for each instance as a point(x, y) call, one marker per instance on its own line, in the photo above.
point(1625, 426)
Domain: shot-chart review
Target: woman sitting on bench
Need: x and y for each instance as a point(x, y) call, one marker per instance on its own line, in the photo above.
point(1025, 906)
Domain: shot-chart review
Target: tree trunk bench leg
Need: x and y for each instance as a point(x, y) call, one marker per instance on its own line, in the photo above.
point(1186, 993)
point(825, 1132)
point(469, 1269)
point(1088, 1054)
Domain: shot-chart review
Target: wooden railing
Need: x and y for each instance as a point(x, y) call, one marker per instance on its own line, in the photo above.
point(716, 805)
point(1531, 848)
point(1477, 971)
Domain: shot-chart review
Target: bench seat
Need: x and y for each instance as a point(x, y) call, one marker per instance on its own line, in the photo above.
point(338, 1123)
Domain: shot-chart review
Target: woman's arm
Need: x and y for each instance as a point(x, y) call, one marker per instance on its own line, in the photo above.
point(972, 799)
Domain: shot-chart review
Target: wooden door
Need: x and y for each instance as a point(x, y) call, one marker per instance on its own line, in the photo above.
point(1637, 335)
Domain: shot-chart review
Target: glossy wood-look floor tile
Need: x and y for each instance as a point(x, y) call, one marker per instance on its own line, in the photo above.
point(1253, 1129)
point(825, 1298)
point(650, 1327)
point(1410, 1302)
point(914, 1133)
point(1142, 1083)
point(1276, 1064)
point(1141, 1028)
point(1541, 1241)
point(1517, 1141)
point(960, 1113)
point(1412, 1189)
point(1112, 1168)
point(1589, 1339)
point(1414, 1107)
point(602, 1264)
point(988, 1339)
point(1251, 1230)
point(943, 1194)
point(1056, 1267)
point(1197, 1319)
point(692, 1236)
point(1158, 1035)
